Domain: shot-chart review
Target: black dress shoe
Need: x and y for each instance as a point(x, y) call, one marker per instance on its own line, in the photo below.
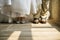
point(36, 20)
point(22, 20)
point(18, 22)
point(43, 22)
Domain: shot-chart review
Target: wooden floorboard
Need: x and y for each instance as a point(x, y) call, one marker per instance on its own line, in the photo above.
point(29, 31)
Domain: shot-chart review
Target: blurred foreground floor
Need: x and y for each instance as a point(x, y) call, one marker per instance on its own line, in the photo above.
point(29, 31)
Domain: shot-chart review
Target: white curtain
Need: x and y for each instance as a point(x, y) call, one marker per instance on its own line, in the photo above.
point(33, 6)
point(8, 2)
point(21, 6)
point(24, 7)
point(1, 2)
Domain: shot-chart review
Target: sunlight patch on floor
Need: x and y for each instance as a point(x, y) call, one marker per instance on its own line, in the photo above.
point(46, 36)
point(15, 35)
point(44, 30)
point(41, 25)
point(30, 32)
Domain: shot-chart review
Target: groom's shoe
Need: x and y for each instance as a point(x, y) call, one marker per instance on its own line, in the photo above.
point(36, 20)
point(22, 20)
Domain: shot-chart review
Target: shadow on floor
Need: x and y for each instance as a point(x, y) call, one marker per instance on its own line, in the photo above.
point(4, 35)
point(26, 33)
point(55, 25)
point(16, 32)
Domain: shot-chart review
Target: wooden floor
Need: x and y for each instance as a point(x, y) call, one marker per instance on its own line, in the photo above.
point(29, 31)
